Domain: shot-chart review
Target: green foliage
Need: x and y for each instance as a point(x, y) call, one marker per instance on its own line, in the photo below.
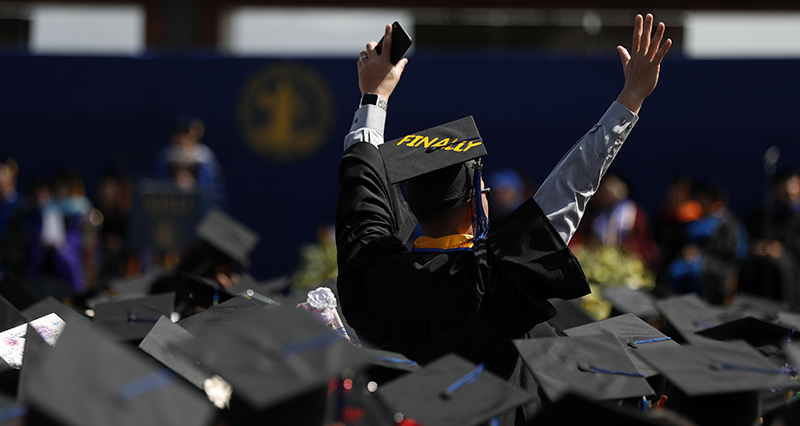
point(317, 265)
point(609, 267)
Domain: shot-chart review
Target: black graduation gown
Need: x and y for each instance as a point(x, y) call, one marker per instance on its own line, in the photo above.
point(468, 302)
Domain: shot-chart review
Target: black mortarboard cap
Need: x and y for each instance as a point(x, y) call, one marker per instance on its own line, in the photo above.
point(132, 319)
point(452, 391)
point(249, 287)
point(228, 235)
point(435, 162)
point(788, 319)
point(88, 380)
point(686, 315)
point(10, 317)
point(756, 332)
point(594, 366)
point(196, 291)
point(275, 356)
point(634, 335)
point(716, 369)
point(385, 366)
point(220, 316)
point(625, 300)
point(747, 305)
point(50, 305)
point(160, 344)
point(125, 288)
point(36, 351)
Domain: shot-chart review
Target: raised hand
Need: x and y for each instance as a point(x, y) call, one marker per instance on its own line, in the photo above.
point(642, 64)
point(376, 74)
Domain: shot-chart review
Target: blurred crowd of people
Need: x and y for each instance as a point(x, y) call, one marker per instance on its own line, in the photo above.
point(696, 243)
point(55, 238)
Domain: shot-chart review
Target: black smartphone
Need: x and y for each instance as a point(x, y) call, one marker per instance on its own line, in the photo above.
point(401, 41)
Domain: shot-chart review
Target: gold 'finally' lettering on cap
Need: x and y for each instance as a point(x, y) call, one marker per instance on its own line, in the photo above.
point(444, 142)
point(405, 139)
point(425, 142)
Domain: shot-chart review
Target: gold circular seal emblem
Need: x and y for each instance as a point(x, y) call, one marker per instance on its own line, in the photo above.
point(286, 111)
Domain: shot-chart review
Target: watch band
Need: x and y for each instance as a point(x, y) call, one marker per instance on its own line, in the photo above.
point(373, 99)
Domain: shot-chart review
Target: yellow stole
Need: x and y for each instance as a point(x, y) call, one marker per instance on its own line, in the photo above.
point(446, 243)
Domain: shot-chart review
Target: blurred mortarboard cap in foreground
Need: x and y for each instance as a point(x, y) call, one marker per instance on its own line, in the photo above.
point(12, 341)
point(275, 356)
point(9, 315)
point(435, 162)
point(718, 383)
point(37, 349)
point(746, 305)
point(249, 287)
point(220, 316)
point(766, 337)
point(718, 369)
point(132, 319)
point(634, 335)
point(228, 235)
point(160, 343)
point(385, 366)
point(125, 288)
point(687, 315)
point(574, 409)
point(392, 360)
point(569, 315)
point(50, 305)
point(90, 380)
point(22, 346)
point(788, 319)
point(625, 300)
point(452, 391)
point(594, 366)
point(193, 292)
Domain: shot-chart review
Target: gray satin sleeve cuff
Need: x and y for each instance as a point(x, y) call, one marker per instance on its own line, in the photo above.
point(367, 126)
point(566, 191)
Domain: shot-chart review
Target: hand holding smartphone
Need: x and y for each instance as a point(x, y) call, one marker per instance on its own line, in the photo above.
point(401, 41)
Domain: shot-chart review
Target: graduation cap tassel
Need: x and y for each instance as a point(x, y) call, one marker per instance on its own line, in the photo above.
point(480, 223)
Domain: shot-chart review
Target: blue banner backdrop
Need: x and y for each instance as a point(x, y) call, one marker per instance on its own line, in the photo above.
point(277, 125)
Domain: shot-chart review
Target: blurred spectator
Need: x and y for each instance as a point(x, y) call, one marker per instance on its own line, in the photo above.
point(669, 229)
point(58, 243)
point(10, 199)
point(113, 200)
point(12, 240)
point(614, 220)
point(714, 247)
point(191, 164)
point(772, 269)
point(508, 193)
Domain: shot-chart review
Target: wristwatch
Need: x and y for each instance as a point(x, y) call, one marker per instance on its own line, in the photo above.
point(373, 99)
